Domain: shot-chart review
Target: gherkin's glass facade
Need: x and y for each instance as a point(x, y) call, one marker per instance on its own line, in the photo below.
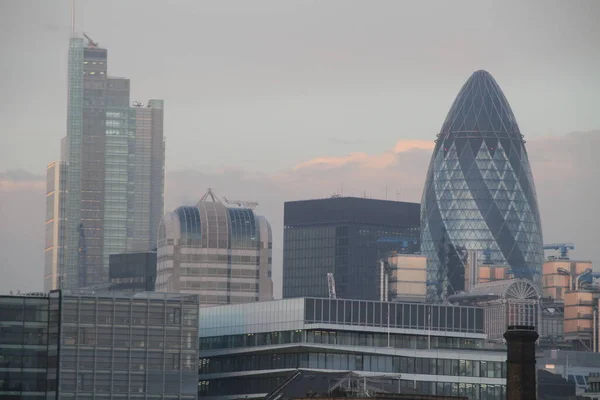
point(479, 193)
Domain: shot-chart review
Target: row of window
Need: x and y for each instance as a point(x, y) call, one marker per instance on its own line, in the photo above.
point(238, 386)
point(224, 272)
point(342, 338)
point(220, 286)
point(220, 258)
point(395, 315)
point(353, 362)
point(151, 383)
point(126, 313)
point(122, 337)
point(134, 361)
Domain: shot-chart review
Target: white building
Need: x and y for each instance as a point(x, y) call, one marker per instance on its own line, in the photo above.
point(220, 252)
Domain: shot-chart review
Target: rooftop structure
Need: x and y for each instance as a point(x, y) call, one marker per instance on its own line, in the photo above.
point(512, 302)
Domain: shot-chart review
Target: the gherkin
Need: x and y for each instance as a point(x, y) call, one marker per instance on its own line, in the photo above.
point(479, 193)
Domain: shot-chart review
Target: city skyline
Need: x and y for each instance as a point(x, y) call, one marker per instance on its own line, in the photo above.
point(351, 160)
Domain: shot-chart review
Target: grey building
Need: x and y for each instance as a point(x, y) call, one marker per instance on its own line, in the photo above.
point(27, 348)
point(113, 163)
point(132, 272)
point(346, 236)
point(82, 345)
point(248, 350)
point(222, 252)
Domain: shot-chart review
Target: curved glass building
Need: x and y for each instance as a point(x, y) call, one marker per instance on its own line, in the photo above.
point(222, 253)
point(479, 196)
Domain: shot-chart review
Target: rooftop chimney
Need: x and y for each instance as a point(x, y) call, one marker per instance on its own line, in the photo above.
point(521, 372)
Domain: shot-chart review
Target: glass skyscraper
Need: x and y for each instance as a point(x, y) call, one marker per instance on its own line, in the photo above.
point(113, 168)
point(479, 194)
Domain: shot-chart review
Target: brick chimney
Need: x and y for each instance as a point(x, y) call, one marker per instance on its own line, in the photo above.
point(521, 371)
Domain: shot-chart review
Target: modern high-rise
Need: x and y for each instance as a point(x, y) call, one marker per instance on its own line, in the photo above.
point(479, 193)
point(346, 236)
point(220, 252)
point(113, 163)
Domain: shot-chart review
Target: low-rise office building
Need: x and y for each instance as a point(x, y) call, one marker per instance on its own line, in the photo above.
point(80, 345)
point(251, 349)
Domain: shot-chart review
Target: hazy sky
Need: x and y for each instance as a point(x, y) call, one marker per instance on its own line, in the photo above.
point(278, 100)
point(262, 84)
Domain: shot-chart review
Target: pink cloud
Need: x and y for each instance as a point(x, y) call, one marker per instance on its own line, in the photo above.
point(365, 160)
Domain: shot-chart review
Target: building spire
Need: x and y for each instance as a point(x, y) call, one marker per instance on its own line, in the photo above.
point(72, 17)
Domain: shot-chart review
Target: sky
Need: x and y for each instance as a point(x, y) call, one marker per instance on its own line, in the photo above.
point(280, 100)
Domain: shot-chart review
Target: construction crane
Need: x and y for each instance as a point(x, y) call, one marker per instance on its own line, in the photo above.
point(91, 43)
point(331, 286)
point(247, 204)
point(563, 248)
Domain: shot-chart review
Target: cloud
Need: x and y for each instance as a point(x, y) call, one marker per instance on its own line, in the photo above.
point(364, 160)
point(17, 180)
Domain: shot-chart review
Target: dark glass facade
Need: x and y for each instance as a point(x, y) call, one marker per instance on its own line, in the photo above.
point(346, 236)
point(132, 272)
point(479, 193)
point(25, 348)
point(68, 345)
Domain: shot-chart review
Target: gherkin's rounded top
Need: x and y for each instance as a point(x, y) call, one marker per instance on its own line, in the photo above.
point(480, 109)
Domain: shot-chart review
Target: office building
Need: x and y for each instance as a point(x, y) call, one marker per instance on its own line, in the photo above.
point(479, 193)
point(132, 272)
point(26, 348)
point(248, 350)
point(561, 275)
point(113, 161)
point(404, 277)
point(220, 252)
point(112, 345)
point(348, 237)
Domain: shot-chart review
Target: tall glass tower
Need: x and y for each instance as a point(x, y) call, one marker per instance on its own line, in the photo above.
point(479, 194)
point(112, 164)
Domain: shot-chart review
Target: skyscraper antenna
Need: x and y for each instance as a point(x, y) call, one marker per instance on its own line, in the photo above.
point(73, 17)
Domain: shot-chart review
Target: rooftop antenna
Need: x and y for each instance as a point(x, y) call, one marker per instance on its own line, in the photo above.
point(72, 17)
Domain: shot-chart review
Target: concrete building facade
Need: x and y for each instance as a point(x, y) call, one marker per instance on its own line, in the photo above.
point(221, 253)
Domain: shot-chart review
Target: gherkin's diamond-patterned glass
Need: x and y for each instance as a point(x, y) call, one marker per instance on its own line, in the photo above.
point(479, 193)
